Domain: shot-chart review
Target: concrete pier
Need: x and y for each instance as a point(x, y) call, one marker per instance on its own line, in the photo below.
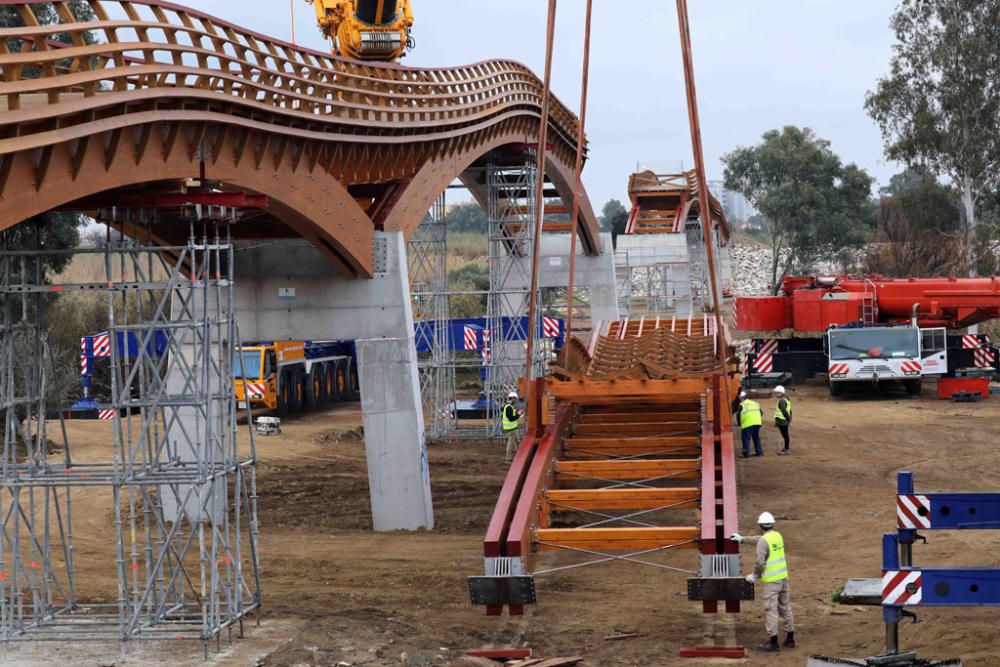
point(290, 290)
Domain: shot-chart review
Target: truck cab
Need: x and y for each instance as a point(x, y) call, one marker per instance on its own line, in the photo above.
point(879, 354)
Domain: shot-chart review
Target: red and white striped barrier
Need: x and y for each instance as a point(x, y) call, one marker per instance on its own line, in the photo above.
point(764, 361)
point(983, 357)
point(255, 389)
point(106, 414)
point(102, 345)
point(911, 367)
point(913, 511)
point(550, 327)
point(901, 587)
point(838, 370)
point(470, 341)
point(486, 345)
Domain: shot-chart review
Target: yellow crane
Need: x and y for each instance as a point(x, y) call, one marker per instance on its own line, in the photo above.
point(366, 29)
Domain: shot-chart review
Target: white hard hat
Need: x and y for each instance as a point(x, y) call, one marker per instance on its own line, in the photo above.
point(512, 394)
point(779, 389)
point(765, 519)
point(743, 394)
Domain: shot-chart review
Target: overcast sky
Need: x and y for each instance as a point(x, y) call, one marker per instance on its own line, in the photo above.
point(759, 64)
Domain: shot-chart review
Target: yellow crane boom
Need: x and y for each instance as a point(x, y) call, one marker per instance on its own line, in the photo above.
point(366, 29)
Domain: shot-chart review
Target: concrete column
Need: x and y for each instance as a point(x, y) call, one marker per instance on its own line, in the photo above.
point(290, 291)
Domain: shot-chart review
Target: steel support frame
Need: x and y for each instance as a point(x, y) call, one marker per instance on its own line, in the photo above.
point(427, 256)
point(511, 208)
point(904, 585)
point(183, 498)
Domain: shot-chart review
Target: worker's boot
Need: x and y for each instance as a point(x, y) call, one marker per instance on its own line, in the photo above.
point(771, 646)
point(789, 640)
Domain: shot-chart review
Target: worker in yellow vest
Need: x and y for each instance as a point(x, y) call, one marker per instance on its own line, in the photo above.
point(783, 417)
point(510, 420)
point(750, 418)
point(771, 569)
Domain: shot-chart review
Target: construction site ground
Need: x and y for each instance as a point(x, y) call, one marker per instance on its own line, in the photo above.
point(336, 593)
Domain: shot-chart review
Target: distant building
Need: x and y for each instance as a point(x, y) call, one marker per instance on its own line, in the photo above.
point(734, 204)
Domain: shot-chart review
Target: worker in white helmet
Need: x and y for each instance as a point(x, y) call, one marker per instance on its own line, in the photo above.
point(783, 416)
point(749, 416)
point(510, 420)
point(771, 569)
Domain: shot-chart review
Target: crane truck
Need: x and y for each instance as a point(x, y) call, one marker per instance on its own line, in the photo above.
point(287, 376)
point(374, 30)
point(295, 375)
point(870, 329)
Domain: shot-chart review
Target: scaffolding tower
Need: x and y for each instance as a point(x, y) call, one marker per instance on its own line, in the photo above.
point(181, 493)
point(510, 186)
point(427, 254)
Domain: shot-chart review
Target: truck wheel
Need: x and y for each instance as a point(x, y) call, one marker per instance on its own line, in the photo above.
point(913, 387)
point(315, 390)
point(298, 390)
point(330, 381)
point(340, 381)
point(355, 394)
point(836, 388)
point(284, 393)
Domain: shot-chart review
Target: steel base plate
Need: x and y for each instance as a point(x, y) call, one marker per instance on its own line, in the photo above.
point(729, 588)
point(500, 591)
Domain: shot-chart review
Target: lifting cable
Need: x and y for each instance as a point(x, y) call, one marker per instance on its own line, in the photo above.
point(704, 199)
point(543, 137)
point(580, 138)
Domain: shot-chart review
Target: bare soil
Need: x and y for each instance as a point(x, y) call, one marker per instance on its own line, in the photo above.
point(336, 593)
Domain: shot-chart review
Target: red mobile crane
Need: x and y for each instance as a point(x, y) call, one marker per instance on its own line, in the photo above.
point(870, 328)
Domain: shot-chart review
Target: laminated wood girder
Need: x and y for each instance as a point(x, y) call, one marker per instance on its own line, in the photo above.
point(127, 98)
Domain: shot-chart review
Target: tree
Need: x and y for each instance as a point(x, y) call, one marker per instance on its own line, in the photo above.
point(813, 204)
point(613, 219)
point(54, 231)
point(468, 217)
point(919, 230)
point(939, 107)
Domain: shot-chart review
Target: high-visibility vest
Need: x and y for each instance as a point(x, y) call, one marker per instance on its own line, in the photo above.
point(775, 569)
point(777, 409)
point(509, 417)
point(750, 414)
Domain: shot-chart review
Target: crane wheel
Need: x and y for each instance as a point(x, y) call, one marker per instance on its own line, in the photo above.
point(298, 388)
point(836, 388)
point(330, 382)
point(912, 387)
point(284, 393)
point(355, 388)
point(340, 381)
point(315, 388)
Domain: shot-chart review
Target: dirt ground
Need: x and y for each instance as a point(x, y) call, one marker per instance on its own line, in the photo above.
point(337, 594)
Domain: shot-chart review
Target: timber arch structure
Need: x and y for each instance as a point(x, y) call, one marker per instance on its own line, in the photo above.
point(146, 96)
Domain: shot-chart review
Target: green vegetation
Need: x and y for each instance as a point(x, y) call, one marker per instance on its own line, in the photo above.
point(919, 231)
point(814, 204)
point(939, 106)
point(613, 219)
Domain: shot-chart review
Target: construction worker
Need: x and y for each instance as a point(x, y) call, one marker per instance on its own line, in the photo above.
point(751, 418)
point(783, 416)
point(511, 420)
point(771, 570)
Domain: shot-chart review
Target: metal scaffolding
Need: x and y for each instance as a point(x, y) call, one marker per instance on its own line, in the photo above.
point(427, 254)
point(182, 494)
point(510, 186)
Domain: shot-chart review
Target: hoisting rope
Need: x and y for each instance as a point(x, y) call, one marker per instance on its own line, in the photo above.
point(580, 138)
point(543, 137)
